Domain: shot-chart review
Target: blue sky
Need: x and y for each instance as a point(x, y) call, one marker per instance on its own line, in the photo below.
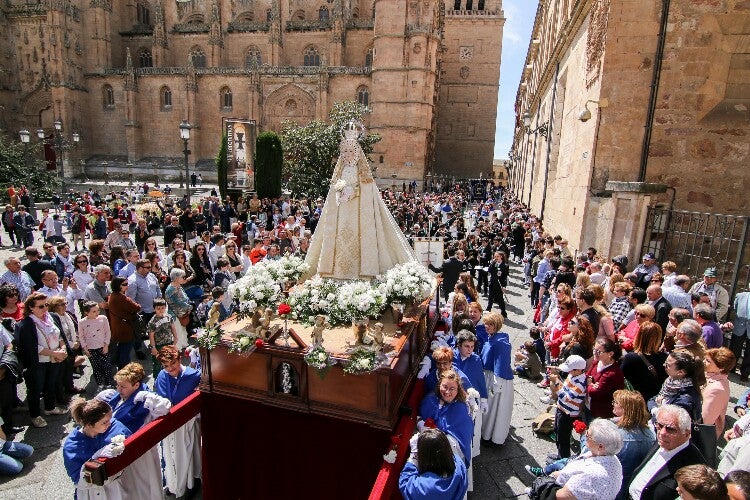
point(519, 15)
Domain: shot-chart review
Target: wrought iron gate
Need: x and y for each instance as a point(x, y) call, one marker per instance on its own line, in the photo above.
point(695, 241)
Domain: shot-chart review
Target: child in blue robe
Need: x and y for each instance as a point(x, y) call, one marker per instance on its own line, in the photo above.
point(498, 374)
point(439, 474)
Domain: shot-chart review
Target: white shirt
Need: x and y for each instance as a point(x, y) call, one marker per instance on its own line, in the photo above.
point(652, 467)
point(592, 478)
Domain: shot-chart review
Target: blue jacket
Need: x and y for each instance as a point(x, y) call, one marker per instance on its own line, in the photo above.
point(496, 355)
point(474, 371)
point(131, 414)
point(430, 486)
point(635, 446)
point(177, 389)
point(79, 448)
point(453, 419)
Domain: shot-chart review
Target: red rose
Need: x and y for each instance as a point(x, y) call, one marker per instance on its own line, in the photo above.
point(284, 309)
point(430, 423)
point(258, 342)
point(580, 427)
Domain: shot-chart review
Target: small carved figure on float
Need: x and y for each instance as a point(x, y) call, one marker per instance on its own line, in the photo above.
point(318, 328)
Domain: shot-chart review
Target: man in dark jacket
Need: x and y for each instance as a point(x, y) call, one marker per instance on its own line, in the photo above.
point(450, 270)
point(654, 478)
point(35, 267)
point(661, 305)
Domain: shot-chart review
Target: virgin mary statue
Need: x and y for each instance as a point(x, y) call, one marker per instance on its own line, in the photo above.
point(356, 236)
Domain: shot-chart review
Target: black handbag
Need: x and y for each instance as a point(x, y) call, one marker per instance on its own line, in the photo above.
point(544, 488)
point(704, 438)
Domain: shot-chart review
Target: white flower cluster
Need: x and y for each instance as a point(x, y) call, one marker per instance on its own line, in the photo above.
point(406, 282)
point(360, 299)
point(319, 359)
point(256, 289)
point(361, 361)
point(287, 268)
point(339, 185)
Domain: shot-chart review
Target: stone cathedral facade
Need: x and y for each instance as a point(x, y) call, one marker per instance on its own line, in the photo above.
point(124, 74)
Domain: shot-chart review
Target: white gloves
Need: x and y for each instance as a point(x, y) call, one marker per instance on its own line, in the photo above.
point(420, 426)
point(426, 365)
point(106, 395)
point(413, 446)
point(483, 405)
point(158, 406)
point(113, 449)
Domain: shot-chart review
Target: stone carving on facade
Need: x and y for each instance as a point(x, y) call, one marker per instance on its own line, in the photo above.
point(215, 36)
point(191, 79)
point(130, 78)
point(464, 72)
point(160, 35)
point(101, 4)
point(595, 40)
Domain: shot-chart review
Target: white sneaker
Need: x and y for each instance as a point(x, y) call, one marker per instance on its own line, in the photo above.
point(547, 391)
point(38, 422)
point(546, 400)
point(56, 411)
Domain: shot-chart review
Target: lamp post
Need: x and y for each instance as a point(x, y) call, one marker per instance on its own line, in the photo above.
point(185, 136)
point(25, 138)
point(105, 164)
point(60, 145)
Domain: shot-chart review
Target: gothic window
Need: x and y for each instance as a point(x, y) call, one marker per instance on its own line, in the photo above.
point(108, 97)
point(469, 4)
point(144, 59)
point(226, 98)
point(246, 17)
point(253, 58)
point(166, 99)
point(198, 57)
point(323, 14)
point(456, 4)
point(368, 58)
point(143, 13)
point(480, 5)
point(363, 96)
point(312, 57)
point(299, 15)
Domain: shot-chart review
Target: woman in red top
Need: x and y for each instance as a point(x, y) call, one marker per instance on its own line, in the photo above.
point(553, 335)
point(604, 378)
point(11, 306)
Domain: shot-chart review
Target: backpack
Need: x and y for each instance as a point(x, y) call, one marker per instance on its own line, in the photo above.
point(544, 423)
point(75, 225)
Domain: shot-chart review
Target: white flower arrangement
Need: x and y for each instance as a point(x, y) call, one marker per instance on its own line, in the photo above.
point(243, 344)
point(320, 359)
point(287, 268)
point(406, 282)
point(209, 338)
point(317, 296)
point(257, 289)
point(339, 185)
point(361, 361)
point(360, 300)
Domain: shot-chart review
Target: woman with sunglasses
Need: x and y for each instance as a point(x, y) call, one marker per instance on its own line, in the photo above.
point(142, 234)
point(643, 313)
point(235, 263)
point(193, 290)
point(41, 349)
point(97, 253)
point(150, 245)
point(680, 388)
point(82, 271)
point(11, 306)
point(201, 265)
point(604, 378)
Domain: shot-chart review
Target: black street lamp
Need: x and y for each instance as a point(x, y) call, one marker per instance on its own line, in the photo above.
point(185, 136)
point(60, 145)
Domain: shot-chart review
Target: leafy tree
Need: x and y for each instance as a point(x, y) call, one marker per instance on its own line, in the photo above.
point(21, 165)
point(222, 167)
point(269, 161)
point(311, 151)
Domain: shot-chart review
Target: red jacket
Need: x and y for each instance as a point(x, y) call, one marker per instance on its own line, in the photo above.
point(601, 388)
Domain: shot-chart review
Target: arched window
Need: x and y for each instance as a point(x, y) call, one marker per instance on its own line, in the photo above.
point(480, 5)
point(108, 97)
point(246, 17)
point(323, 13)
point(253, 58)
point(469, 4)
point(368, 57)
point(225, 95)
point(290, 107)
point(456, 4)
point(312, 57)
point(165, 98)
point(299, 15)
point(198, 57)
point(143, 13)
point(144, 59)
point(363, 96)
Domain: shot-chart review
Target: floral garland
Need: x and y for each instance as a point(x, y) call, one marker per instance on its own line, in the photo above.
point(406, 282)
point(320, 359)
point(209, 338)
point(361, 361)
point(244, 344)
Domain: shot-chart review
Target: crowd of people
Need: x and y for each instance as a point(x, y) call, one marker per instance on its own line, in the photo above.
point(635, 356)
point(632, 362)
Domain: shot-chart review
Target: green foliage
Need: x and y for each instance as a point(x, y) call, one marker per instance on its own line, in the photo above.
point(269, 161)
point(222, 166)
point(311, 151)
point(25, 166)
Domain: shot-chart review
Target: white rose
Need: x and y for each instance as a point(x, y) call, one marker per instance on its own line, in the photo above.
point(322, 356)
point(245, 341)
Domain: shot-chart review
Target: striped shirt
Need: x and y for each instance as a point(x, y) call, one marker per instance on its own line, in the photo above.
point(571, 396)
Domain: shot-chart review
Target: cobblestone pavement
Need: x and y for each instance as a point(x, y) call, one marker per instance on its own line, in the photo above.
point(498, 471)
